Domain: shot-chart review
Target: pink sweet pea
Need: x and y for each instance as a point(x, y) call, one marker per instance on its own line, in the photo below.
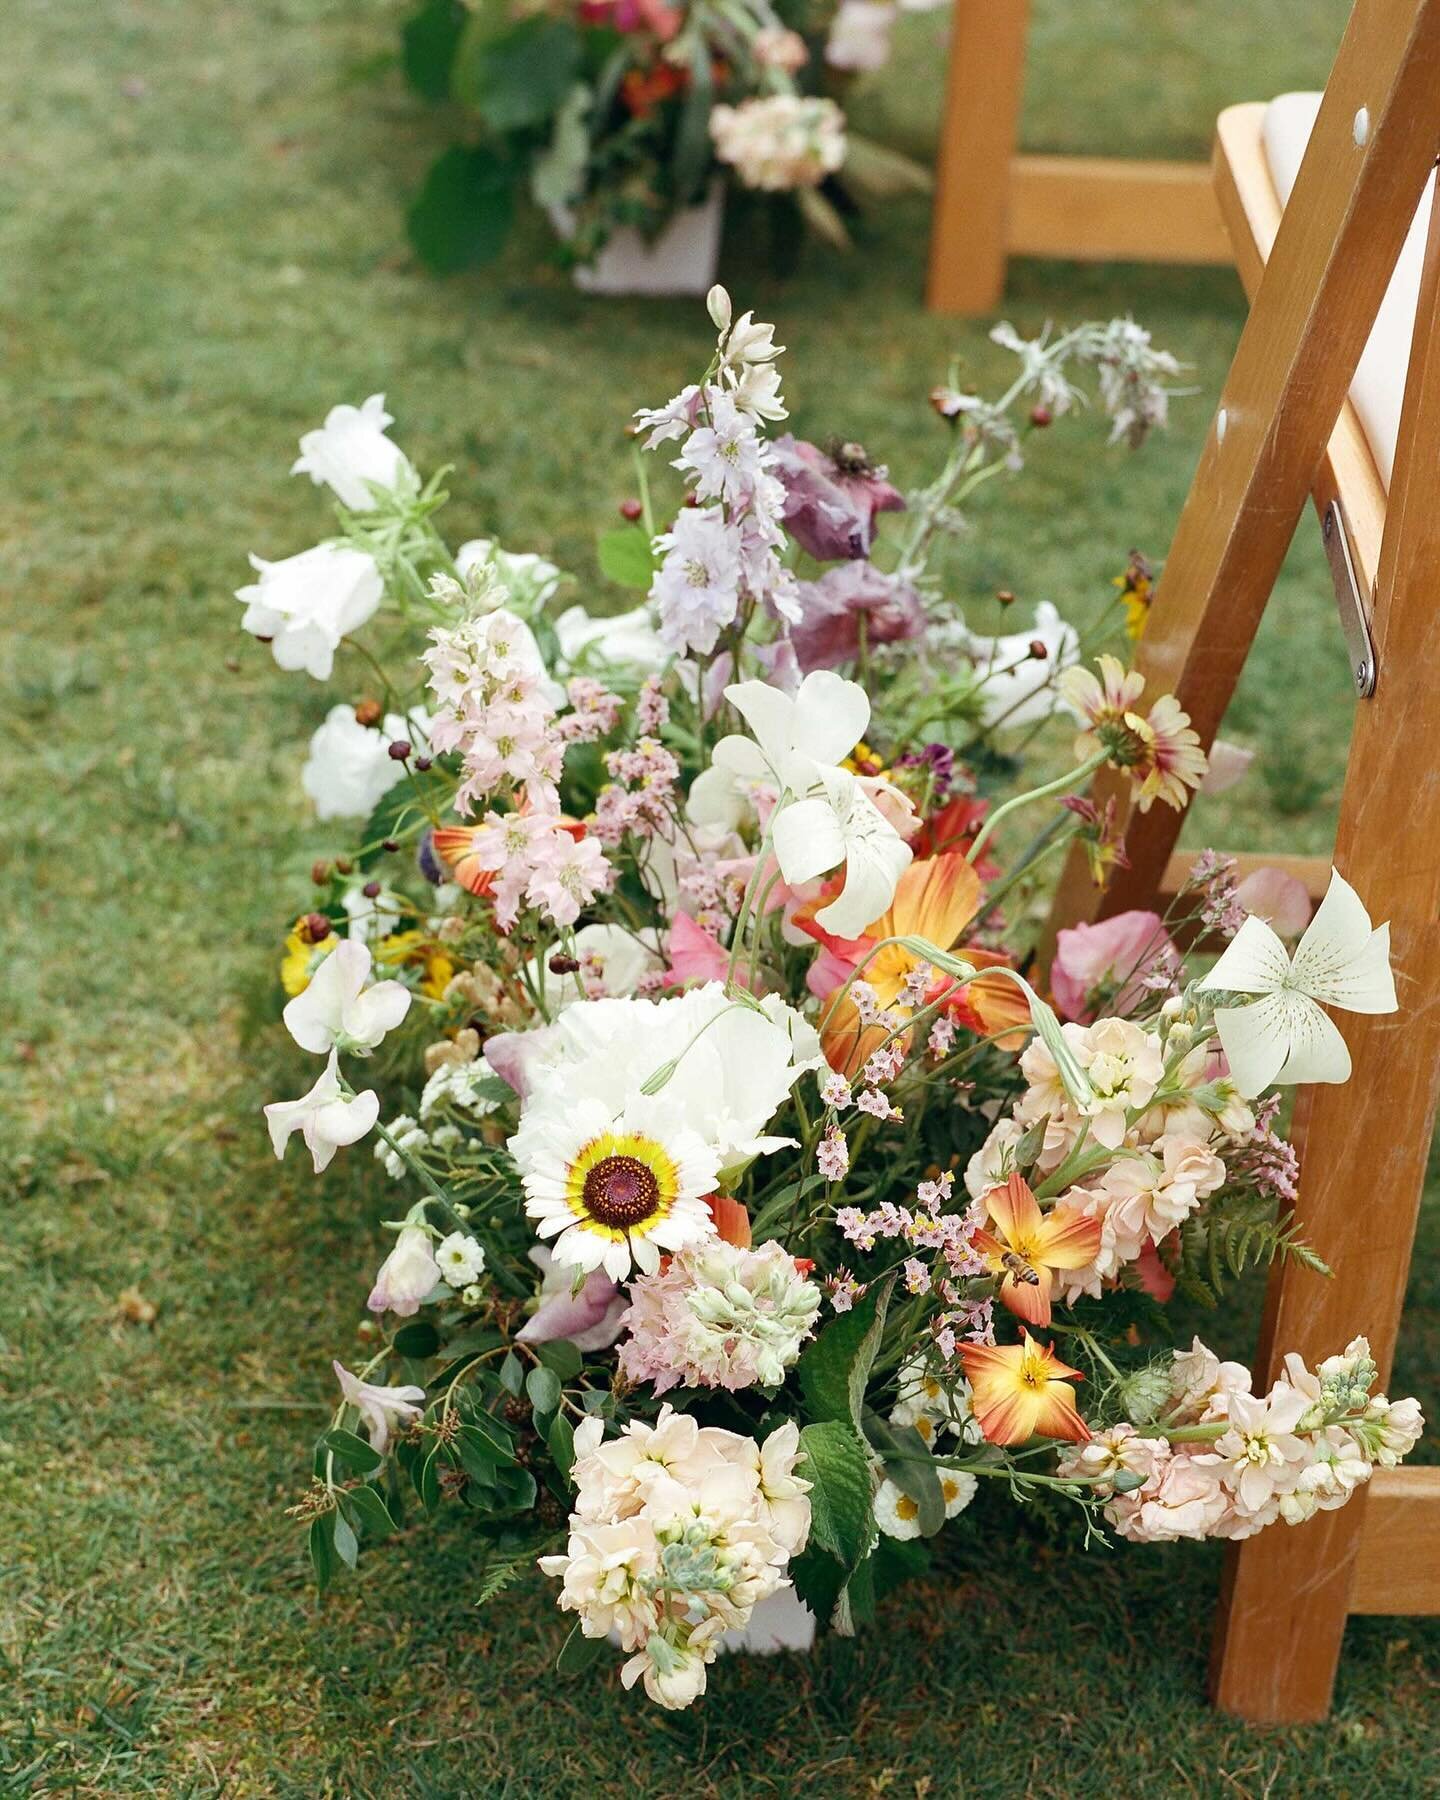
point(1277, 898)
point(831, 501)
point(1116, 951)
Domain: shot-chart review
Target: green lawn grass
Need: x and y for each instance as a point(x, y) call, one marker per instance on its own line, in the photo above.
point(200, 251)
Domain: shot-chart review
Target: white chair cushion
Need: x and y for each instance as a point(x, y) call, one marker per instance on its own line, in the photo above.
point(1379, 385)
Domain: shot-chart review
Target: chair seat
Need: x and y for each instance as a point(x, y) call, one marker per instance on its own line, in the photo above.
point(1379, 385)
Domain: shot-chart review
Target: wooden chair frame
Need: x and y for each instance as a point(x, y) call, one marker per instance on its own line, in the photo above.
point(991, 203)
point(1283, 428)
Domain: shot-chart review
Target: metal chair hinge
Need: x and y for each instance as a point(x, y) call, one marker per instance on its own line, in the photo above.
point(1348, 601)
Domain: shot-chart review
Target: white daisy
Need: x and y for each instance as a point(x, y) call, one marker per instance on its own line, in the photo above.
point(614, 1191)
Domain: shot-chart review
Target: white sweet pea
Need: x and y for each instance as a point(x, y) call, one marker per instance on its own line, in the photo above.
point(338, 1012)
point(408, 1276)
point(350, 451)
point(326, 1117)
point(1284, 1036)
point(305, 604)
point(379, 1407)
point(826, 817)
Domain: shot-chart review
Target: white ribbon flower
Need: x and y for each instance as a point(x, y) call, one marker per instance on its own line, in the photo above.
point(326, 1117)
point(1283, 1036)
point(829, 818)
point(338, 1012)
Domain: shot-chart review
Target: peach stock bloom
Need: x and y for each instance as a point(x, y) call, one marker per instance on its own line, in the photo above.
point(1031, 1245)
point(1182, 1499)
point(935, 899)
point(1020, 1391)
point(1124, 1064)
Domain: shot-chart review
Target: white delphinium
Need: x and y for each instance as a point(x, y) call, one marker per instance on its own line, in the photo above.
point(405, 1134)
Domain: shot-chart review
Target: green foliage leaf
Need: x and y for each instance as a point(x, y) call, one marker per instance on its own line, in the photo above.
point(1231, 1234)
point(909, 1465)
point(543, 1387)
point(561, 1439)
point(838, 1467)
point(562, 1357)
point(578, 1652)
point(500, 1575)
point(460, 220)
point(365, 1507)
point(692, 159)
point(418, 1339)
point(515, 1490)
point(626, 557)
point(347, 1545)
point(398, 808)
point(428, 40)
point(427, 1481)
point(518, 78)
point(497, 1439)
point(322, 1549)
point(819, 1580)
point(512, 1375)
point(833, 1369)
point(352, 1451)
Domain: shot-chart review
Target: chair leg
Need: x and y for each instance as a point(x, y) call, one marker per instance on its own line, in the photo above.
point(978, 135)
point(1364, 1145)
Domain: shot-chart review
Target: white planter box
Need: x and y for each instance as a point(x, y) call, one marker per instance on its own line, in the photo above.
point(781, 1622)
point(682, 260)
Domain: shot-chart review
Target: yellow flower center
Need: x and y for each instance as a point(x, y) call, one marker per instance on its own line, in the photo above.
point(906, 1508)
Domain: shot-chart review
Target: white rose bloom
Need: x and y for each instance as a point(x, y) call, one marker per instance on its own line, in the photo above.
point(349, 768)
point(306, 604)
point(350, 451)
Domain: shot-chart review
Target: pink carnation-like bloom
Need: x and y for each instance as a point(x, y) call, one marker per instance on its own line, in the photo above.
point(718, 1316)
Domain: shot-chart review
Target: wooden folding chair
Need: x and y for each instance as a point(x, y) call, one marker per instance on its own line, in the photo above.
point(1283, 427)
point(992, 203)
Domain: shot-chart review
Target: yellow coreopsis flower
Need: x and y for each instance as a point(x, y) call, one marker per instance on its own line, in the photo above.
point(412, 949)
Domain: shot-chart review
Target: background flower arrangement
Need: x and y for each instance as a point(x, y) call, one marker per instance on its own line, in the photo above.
point(722, 1009)
point(621, 114)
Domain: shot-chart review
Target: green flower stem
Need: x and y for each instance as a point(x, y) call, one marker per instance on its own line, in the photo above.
point(1062, 783)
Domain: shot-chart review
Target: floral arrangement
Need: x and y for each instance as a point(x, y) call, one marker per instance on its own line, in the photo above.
point(621, 113)
point(758, 1204)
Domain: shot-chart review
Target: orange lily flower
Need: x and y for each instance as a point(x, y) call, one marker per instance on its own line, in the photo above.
point(1019, 1391)
point(1031, 1245)
point(935, 898)
point(732, 1220)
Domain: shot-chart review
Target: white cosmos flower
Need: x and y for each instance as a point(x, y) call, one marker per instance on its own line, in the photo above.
point(1283, 1035)
point(338, 1012)
point(829, 818)
point(304, 605)
point(732, 1066)
point(614, 1192)
point(325, 1117)
point(350, 451)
